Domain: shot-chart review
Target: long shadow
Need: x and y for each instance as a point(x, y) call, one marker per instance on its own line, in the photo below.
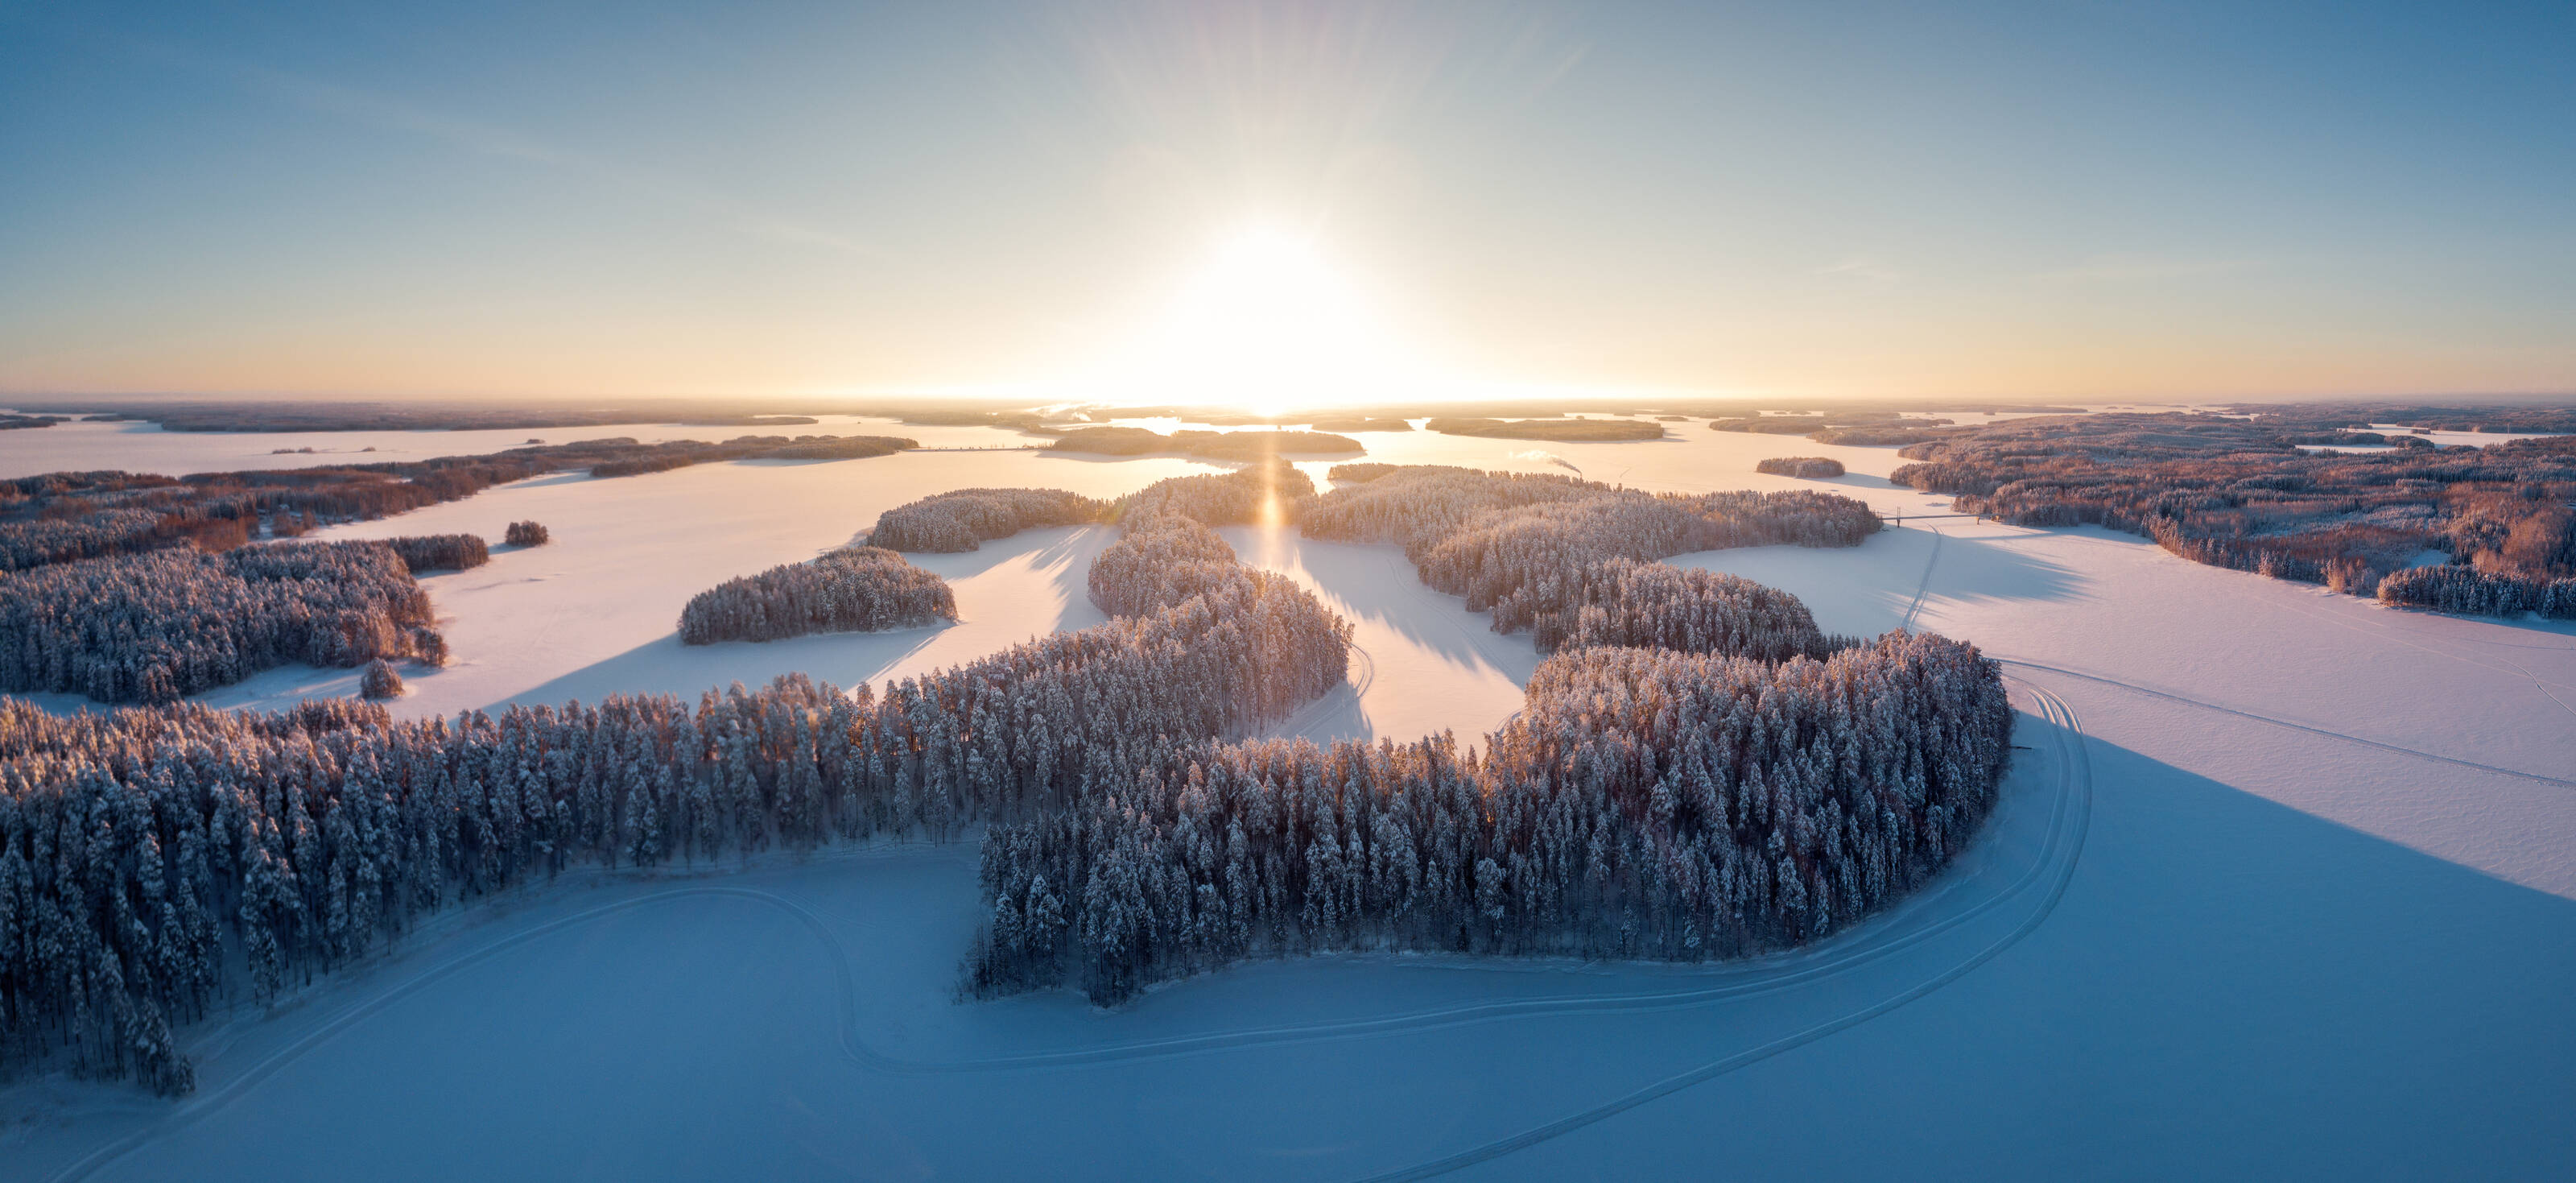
point(665, 666)
point(1982, 569)
point(2226, 979)
point(1042, 547)
point(1375, 583)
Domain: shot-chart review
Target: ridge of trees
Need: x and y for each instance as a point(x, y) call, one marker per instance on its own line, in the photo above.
point(853, 589)
point(1574, 430)
point(964, 519)
point(1205, 445)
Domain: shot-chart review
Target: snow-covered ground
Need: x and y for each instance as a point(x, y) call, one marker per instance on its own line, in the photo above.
point(2284, 885)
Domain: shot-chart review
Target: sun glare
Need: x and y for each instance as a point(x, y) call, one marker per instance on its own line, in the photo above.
point(1270, 326)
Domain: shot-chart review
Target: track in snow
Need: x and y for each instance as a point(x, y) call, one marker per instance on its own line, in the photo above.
point(1930, 914)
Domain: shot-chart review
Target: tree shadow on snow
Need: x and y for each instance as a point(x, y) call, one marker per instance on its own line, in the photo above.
point(1373, 582)
point(2226, 966)
point(1982, 569)
point(665, 666)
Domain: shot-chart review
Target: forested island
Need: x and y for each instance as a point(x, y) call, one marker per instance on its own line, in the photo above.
point(853, 589)
point(1687, 781)
point(1574, 430)
point(1699, 771)
point(1808, 467)
point(131, 587)
point(2240, 493)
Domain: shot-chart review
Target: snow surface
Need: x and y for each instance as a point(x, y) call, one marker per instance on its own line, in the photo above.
point(2284, 885)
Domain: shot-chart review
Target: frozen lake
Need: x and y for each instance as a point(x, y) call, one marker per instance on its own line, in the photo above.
point(2283, 881)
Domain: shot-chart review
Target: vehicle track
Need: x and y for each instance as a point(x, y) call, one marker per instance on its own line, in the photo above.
point(2419, 754)
point(2070, 811)
point(2069, 736)
point(1325, 708)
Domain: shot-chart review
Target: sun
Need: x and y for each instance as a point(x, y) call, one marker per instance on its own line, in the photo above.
point(1268, 324)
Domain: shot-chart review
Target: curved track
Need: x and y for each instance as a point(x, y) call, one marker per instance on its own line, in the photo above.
point(2169, 696)
point(2069, 737)
point(1938, 910)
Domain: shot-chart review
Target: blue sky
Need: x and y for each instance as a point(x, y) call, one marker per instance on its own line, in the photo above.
point(2053, 201)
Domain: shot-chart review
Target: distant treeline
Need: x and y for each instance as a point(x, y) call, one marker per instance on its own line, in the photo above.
point(854, 589)
point(273, 416)
point(1858, 427)
point(2238, 493)
point(2482, 417)
point(648, 458)
point(74, 515)
point(1570, 430)
point(1205, 445)
point(22, 422)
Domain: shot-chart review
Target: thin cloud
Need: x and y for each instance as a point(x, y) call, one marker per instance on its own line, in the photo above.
point(2137, 268)
point(1863, 270)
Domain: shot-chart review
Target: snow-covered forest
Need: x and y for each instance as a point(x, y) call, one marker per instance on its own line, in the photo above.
point(1810, 467)
point(441, 552)
point(947, 523)
point(1646, 804)
point(2450, 587)
point(153, 626)
point(853, 589)
point(1717, 794)
point(153, 859)
point(1518, 544)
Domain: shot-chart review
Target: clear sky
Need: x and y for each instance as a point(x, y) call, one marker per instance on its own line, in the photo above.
point(2019, 200)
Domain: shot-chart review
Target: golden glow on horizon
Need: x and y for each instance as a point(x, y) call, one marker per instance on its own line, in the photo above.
point(1268, 325)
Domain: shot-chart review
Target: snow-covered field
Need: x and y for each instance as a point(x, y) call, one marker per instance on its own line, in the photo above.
point(2284, 885)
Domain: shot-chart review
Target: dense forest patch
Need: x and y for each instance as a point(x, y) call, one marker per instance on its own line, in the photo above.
point(853, 589)
point(963, 519)
point(154, 626)
point(155, 861)
point(1810, 467)
point(1689, 779)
